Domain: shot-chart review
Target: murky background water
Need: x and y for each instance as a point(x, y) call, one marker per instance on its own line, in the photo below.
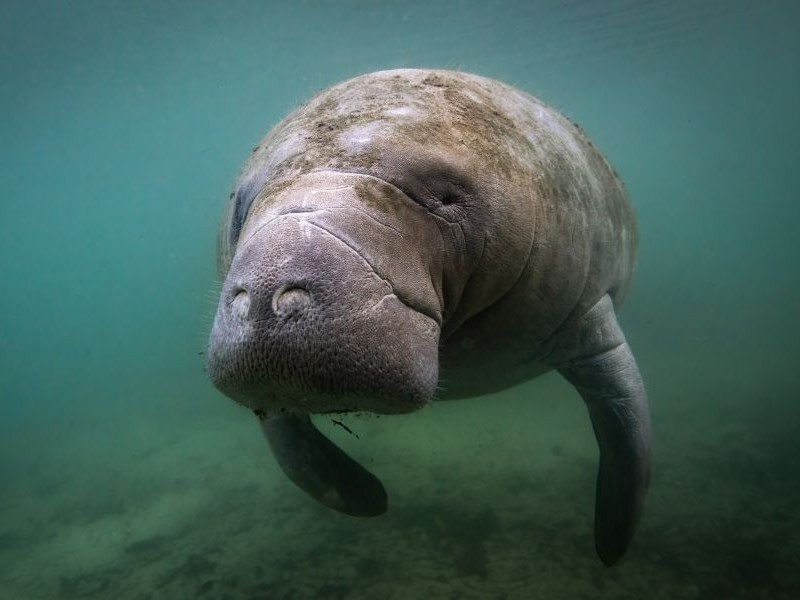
point(124, 474)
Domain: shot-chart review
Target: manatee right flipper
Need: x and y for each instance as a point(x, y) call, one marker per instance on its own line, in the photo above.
point(318, 467)
point(605, 374)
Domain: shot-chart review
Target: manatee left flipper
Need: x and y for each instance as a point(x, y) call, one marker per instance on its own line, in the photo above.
point(321, 469)
point(605, 374)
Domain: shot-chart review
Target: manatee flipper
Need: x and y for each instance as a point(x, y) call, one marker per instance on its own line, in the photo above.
point(320, 468)
point(605, 374)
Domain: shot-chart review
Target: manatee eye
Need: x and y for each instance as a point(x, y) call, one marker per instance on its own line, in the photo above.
point(448, 199)
point(239, 213)
point(243, 196)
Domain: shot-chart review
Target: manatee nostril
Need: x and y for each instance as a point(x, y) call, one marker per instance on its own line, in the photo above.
point(240, 305)
point(290, 299)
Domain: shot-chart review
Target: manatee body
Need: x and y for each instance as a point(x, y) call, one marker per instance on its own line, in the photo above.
point(415, 226)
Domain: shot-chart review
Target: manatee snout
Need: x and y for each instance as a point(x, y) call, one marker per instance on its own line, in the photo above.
point(309, 321)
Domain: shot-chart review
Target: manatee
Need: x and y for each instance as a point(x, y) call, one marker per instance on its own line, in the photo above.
point(411, 227)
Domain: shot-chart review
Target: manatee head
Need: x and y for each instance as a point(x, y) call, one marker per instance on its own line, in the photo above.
point(332, 301)
point(365, 228)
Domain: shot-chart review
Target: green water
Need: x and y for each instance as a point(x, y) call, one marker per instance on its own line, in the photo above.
point(124, 474)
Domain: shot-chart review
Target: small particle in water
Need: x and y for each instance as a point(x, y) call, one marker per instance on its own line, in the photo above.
point(345, 427)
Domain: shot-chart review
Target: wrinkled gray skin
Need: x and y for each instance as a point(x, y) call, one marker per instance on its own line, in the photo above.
point(412, 227)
